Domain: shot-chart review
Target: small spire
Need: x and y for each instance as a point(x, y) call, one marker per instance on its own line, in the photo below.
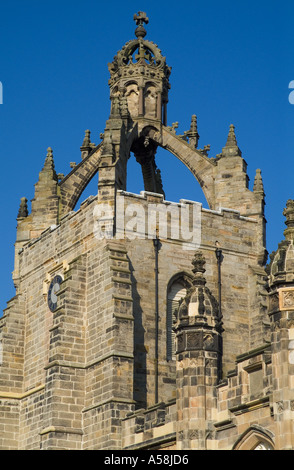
point(49, 158)
point(231, 148)
point(258, 183)
point(198, 270)
point(87, 145)
point(289, 214)
point(192, 133)
point(231, 141)
point(23, 208)
point(49, 166)
point(87, 140)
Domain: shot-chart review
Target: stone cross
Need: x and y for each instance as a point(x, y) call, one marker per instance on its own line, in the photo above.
point(141, 18)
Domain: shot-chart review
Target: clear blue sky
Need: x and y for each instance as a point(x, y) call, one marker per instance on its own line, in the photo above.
point(231, 61)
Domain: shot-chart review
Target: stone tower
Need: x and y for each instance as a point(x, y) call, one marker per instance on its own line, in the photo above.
point(141, 323)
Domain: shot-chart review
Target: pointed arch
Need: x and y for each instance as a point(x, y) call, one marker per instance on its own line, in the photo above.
point(177, 288)
point(72, 186)
point(255, 438)
point(201, 167)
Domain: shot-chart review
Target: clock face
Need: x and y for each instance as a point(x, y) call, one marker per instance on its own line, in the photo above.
point(53, 288)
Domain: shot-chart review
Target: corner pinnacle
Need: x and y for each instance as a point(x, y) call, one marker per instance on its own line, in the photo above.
point(231, 148)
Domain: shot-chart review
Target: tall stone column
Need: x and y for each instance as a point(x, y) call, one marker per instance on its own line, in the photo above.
point(198, 350)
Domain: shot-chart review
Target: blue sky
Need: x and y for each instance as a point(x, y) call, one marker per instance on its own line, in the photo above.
point(232, 62)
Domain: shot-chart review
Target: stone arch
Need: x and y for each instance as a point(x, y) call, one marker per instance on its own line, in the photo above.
point(255, 438)
point(177, 288)
point(199, 165)
point(202, 167)
point(72, 186)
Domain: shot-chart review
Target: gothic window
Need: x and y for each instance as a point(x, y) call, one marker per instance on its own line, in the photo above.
point(255, 438)
point(176, 291)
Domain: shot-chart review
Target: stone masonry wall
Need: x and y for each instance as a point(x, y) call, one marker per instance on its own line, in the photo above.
point(97, 356)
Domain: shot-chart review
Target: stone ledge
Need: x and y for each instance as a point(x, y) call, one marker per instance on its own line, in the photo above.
point(20, 396)
point(61, 429)
point(251, 405)
point(74, 365)
point(124, 401)
point(156, 441)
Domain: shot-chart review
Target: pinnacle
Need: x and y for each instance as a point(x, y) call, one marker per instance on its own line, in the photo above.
point(231, 141)
point(49, 157)
point(231, 148)
point(289, 214)
point(23, 208)
point(87, 140)
point(49, 166)
point(198, 263)
point(258, 183)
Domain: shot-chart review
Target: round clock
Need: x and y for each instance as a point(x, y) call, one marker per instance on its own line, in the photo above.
point(53, 288)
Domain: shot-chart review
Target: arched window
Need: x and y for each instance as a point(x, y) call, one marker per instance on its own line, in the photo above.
point(177, 289)
point(255, 438)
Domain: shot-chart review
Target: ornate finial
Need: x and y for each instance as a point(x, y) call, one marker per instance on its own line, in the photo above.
point(49, 162)
point(289, 214)
point(87, 140)
point(140, 18)
point(231, 141)
point(258, 184)
point(23, 208)
point(192, 133)
point(231, 148)
point(198, 263)
point(87, 145)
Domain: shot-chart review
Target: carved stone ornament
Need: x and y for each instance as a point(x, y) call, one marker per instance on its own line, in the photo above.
point(286, 299)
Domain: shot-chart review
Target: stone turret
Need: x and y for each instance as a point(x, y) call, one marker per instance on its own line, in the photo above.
point(23, 208)
point(199, 349)
point(281, 313)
